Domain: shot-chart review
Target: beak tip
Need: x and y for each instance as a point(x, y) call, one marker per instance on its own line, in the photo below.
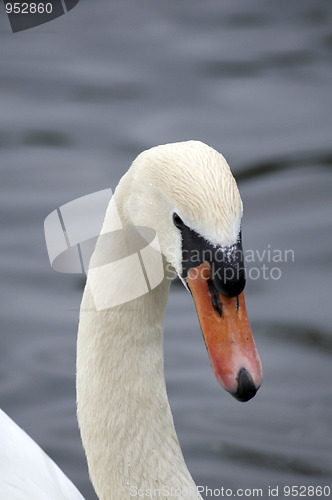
point(246, 388)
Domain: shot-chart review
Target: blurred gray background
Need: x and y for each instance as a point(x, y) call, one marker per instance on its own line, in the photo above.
point(80, 97)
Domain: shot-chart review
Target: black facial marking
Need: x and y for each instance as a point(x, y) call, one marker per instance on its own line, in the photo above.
point(214, 294)
point(237, 304)
point(227, 263)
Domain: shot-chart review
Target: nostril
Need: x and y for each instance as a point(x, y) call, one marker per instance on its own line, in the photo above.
point(215, 297)
point(246, 388)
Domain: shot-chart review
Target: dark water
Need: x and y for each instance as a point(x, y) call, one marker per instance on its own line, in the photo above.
point(80, 97)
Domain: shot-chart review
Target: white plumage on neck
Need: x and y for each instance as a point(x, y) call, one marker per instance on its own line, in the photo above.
point(124, 415)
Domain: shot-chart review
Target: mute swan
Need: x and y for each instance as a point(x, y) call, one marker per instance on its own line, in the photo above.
point(186, 193)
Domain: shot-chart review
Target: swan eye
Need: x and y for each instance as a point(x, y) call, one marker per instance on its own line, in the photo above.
point(178, 222)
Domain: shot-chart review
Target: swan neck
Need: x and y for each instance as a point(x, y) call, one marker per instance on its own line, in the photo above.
point(124, 416)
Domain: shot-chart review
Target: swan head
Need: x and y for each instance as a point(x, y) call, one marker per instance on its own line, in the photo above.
point(186, 183)
point(186, 192)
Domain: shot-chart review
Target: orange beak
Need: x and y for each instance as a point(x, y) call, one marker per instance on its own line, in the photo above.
point(227, 333)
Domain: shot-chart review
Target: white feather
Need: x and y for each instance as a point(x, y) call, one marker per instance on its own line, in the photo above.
point(26, 472)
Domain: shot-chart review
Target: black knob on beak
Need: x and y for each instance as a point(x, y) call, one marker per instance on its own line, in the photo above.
point(228, 271)
point(229, 281)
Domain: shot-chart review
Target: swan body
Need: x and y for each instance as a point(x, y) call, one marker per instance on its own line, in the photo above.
point(27, 473)
point(184, 193)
